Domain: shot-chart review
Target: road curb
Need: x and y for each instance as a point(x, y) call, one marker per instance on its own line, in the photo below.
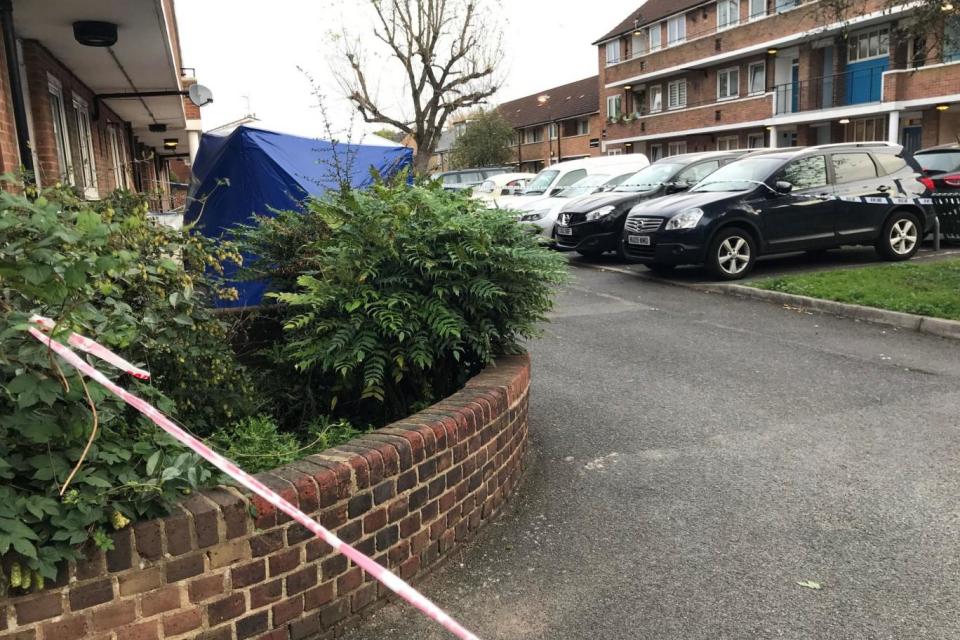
point(921, 324)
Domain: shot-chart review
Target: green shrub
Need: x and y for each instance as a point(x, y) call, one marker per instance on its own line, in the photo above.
point(106, 271)
point(404, 293)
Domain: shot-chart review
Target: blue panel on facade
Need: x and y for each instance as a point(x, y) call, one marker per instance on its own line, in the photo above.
point(864, 80)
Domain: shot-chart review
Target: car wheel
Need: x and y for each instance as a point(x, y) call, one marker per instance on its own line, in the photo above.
point(732, 254)
point(661, 269)
point(587, 253)
point(900, 239)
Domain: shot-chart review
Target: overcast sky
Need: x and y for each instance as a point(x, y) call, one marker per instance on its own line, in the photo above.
point(250, 50)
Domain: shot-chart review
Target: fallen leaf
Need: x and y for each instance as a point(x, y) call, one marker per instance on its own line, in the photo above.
point(810, 584)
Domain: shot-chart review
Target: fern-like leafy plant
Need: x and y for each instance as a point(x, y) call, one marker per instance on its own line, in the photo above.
point(407, 292)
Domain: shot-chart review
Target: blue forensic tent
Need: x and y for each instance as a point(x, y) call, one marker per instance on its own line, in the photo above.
point(254, 170)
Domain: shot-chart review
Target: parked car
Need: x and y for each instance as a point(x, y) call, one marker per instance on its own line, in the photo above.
point(592, 226)
point(941, 165)
point(542, 213)
point(798, 199)
point(564, 174)
point(467, 178)
point(505, 184)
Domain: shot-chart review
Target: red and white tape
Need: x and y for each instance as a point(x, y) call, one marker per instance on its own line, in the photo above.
point(388, 578)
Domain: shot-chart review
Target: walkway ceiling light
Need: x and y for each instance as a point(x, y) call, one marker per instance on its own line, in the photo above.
point(170, 143)
point(92, 33)
point(772, 51)
point(844, 121)
point(628, 87)
point(942, 107)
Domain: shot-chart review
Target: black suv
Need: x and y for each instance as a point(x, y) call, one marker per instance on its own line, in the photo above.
point(941, 166)
point(784, 200)
point(594, 225)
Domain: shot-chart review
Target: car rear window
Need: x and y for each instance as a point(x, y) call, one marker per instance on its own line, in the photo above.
point(891, 163)
point(850, 167)
point(939, 161)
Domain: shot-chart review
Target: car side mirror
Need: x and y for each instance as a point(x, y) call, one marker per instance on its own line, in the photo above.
point(555, 191)
point(782, 186)
point(677, 187)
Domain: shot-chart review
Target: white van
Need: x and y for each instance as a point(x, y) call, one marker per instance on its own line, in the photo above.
point(554, 178)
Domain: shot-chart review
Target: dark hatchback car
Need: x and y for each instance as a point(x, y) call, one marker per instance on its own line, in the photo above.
point(779, 201)
point(594, 225)
point(941, 165)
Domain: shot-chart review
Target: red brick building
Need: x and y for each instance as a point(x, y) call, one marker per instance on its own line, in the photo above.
point(99, 106)
point(562, 123)
point(689, 75)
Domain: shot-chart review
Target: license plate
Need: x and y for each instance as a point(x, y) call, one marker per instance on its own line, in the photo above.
point(643, 241)
point(564, 231)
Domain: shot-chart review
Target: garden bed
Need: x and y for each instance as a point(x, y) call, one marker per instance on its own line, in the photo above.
point(407, 494)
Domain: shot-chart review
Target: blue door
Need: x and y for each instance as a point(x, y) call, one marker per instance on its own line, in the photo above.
point(864, 80)
point(795, 82)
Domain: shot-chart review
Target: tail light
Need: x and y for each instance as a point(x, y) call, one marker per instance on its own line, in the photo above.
point(928, 183)
point(952, 180)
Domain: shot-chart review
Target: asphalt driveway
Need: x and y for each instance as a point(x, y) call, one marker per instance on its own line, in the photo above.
point(695, 457)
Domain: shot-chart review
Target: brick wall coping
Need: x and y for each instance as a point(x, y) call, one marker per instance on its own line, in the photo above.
point(406, 494)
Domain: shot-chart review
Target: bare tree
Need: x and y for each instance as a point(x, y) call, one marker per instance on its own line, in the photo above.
point(448, 52)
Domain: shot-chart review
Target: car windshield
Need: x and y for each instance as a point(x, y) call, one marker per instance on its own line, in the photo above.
point(650, 177)
point(584, 187)
point(541, 182)
point(936, 162)
point(741, 175)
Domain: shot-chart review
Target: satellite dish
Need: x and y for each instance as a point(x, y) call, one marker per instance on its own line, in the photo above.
point(199, 95)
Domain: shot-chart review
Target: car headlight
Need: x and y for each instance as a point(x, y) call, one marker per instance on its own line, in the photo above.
point(599, 213)
point(533, 217)
point(685, 219)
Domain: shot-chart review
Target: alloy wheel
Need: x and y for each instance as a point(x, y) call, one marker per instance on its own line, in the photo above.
point(903, 236)
point(734, 255)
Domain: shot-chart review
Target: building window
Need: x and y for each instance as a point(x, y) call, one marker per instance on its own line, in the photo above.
point(656, 152)
point(676, 30)
point(656, 99)
point(728, 14)
point(728, 143)
point(786, 5)
point(552, 130)
point(757, 78)
point(532, 135)
point(677, 94)
point(583, 127)
point(88, 167)
point(61, 139)
point(755, 141)
point(676, 148)
point(951, 39)
point(638, 44)
point(115, 142)
point(728, 83)
point(758, 9)
point(653, 37)
point(614, 107)
point(866, 130)
point(614, 152)
point(865, 45)
point(613, 52)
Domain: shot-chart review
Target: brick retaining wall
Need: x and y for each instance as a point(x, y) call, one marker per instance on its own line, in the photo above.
point(406, 494)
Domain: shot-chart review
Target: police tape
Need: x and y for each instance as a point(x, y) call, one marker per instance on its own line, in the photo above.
point(882, 200)
point(385, 576)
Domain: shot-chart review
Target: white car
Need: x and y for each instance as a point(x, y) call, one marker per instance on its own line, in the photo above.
point(564, 174)
point(496, 187)
point(543, 212)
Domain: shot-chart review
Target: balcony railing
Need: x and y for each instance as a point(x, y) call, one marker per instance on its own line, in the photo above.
point(826, 92)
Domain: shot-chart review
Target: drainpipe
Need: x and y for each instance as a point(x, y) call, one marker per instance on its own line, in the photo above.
point(16, 88)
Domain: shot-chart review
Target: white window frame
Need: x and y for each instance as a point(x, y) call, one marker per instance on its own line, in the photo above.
point(553, 131)
point(676, 148)
point(679, 104)
point(751, 139)
point(658, 30)
point(638, 44)
point(616, 112)
point(763, 75)
point(733, 19)
point(656, 90)
point(728, 143)
point(614, 152)
point(61, 138)
point(87, 154)
point(115, 144)
point(756, 15)
point(583, 127)
point(731, 86)
point(883, 44)
point(613, 52)
point(680, 22)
